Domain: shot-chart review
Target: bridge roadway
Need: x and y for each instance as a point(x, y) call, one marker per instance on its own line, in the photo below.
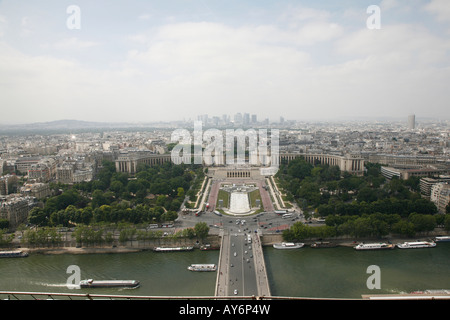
point(241, 268)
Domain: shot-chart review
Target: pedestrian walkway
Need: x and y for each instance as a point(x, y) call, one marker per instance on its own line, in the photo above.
point(260, 267)
point(222, 269)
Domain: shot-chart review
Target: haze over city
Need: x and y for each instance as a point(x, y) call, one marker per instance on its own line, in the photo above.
point(143, 61)
point(208, 152)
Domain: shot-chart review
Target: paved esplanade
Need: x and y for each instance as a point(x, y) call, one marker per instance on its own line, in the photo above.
point(242, 270)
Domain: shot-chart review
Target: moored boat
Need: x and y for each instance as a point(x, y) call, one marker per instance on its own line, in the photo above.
point(13, 254)
point(202, 267)
point(288, 245)
point(374, 246)
point(416, 245)
point(208, 247)
point(433, 291)
point(172, 249)
point(323, 245)
point(442, 239)
point(90, 283)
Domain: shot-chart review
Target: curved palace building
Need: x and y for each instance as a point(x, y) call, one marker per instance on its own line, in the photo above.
point(353, 164)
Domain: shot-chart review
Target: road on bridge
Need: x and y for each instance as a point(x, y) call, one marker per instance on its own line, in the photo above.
point(241, 267)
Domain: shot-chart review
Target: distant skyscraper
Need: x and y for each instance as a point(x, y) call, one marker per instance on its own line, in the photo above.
point(411, 122)
point(203, 118)
point(246, 118)
point(238, 118)
point(225, 119)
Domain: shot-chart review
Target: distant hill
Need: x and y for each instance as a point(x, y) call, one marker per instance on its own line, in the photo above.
point(62, 126)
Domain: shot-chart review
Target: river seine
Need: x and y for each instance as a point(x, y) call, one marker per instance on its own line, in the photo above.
point(324, 273)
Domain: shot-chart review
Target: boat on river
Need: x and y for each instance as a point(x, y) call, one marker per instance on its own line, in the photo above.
point(13, 254)
point(416, 245)
point(442, 239)
point(172, 249)
point(374, 246)
point(323, 244)
point(288, 245)
point(209, 247)
point(91, 283)
point(433, 291)
point(202, 267)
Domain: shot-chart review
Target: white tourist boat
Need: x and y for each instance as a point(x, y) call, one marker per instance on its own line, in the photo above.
point(416, 245)
point(91, 283)
point(374, 246)
point(442, 239)
point(202, 267)
point(13, 254)
point(288, 245)
point(172, 249)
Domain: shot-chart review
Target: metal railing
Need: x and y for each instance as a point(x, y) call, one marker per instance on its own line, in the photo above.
point(20, 295)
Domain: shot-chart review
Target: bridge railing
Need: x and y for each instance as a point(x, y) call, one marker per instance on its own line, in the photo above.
point(21, 295)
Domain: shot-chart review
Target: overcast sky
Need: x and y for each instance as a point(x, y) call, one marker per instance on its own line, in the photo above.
point(141, 60)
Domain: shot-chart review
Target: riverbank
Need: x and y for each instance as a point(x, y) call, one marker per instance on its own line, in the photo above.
point(215, 241)
point(74, 250)
point(270, 239)
point(128, 247)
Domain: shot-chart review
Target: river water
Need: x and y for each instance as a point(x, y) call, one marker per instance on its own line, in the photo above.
point(326, 273)
point(342, 272)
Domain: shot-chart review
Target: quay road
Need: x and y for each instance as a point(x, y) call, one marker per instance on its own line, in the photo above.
point(241, 270)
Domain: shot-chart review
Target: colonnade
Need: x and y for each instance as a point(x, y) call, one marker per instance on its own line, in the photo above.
point(349, 163)
point(238, 174)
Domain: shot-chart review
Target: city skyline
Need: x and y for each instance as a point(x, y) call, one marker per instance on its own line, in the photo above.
point(245, 120)
point(154, 61)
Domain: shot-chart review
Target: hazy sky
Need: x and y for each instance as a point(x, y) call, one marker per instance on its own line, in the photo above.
point(141, 60)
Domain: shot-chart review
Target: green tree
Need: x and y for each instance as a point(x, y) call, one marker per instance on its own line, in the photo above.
point(169, 216)
point(423, 206)
point(5, 239)
point(134, 186)
point(299, 168)
point(404, 227)
point(98, 198)
point(447, 222)
point(189, 233)
point(4, 224)
point(423, 222)
point(201, 230)
point(298, 231)
point(85, 216)
point(367, 194)
point(127, 234)
point(116, 186)
point(180, 192)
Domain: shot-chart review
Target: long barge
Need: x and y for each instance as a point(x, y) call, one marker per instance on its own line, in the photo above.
point(323, 244)
point(172, 249)
point(374, 246)
point(202, 267)
point(90, 283)
point(13, 254)
point(442, 239)
point(288, 245)
point(416, 245)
